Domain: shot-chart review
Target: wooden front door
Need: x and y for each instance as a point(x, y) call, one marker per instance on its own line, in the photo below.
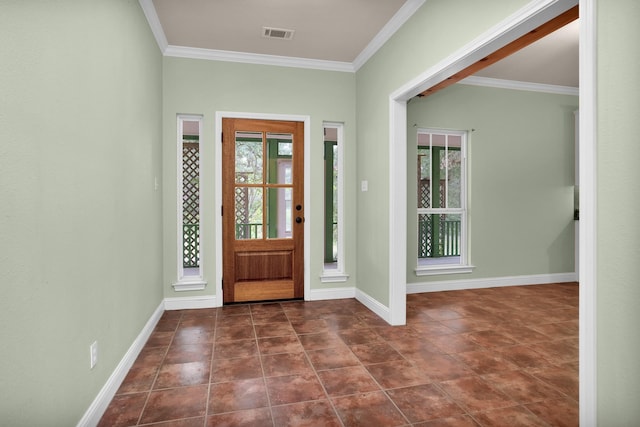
point(263, 209)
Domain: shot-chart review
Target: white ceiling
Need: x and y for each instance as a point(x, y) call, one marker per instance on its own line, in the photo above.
point(333, 30)
point(552, 60)
point(330, 34)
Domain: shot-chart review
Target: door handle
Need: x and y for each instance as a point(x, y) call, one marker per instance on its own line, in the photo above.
point(299, 220)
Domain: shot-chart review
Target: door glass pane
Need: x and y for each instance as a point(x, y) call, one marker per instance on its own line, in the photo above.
point(285, 148)
point(279, 149)
point(249, 158)
point(248, 213)
point(279, 213)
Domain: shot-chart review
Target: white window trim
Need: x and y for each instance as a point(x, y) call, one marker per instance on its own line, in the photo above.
point(464, 266)
point(443, 269)
point(190, 282)
point(338, 274)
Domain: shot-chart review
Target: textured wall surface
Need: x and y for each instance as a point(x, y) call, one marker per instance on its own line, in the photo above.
point(80, 221)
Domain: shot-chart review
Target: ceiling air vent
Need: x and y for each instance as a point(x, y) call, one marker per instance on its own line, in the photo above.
point(277, 33)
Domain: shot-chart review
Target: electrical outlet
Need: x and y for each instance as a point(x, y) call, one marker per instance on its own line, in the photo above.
point(93, 351)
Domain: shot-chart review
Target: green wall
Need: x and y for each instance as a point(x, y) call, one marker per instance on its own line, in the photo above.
point(80, 225)
point(521, 157)
point(435, 31)
point(618, 236)
point(205, 87)
point(81, 112)
point(428, 38)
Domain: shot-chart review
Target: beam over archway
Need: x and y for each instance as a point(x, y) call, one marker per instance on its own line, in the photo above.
point(507, 50)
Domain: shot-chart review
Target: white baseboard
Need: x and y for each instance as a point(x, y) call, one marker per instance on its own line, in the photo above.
point(374, 305)
point(351, 292)
point(330, 293)
point(99, 405)
point(492, 282)
point(185, 303)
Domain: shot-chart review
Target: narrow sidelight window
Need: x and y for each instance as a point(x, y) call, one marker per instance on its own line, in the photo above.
point(189, 204)
point(333, 270)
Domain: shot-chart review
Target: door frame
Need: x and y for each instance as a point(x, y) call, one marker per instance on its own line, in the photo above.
point(219, 299)
point(533, 15)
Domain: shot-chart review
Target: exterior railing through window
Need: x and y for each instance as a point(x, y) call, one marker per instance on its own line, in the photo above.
point(248, 231)
point(190, 245)
point(448, 238)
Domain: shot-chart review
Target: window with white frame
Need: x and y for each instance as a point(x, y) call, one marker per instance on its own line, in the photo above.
point(333, 267)
point(190, 275)
point(442, 202)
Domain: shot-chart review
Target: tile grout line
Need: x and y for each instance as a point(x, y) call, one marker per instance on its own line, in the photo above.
point(264, 376)
point(211, 361)
point(559, 370)
point(495, 388)
point(384, 391)
point(447, 353)
point(155, 378)
point(315, 371)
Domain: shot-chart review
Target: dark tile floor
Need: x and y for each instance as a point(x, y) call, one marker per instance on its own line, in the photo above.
point(488, 357)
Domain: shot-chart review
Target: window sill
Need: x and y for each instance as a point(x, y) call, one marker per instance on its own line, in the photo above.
point(190, 285)
point(444, 269)
point(333, 277)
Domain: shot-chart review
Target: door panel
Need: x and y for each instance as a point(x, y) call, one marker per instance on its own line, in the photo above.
point(263, 213)
point(261, 265)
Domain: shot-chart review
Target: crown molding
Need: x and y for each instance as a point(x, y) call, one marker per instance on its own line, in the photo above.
point(517, 85)
point(255, 58)
point(154, 22)
point(395, 23)
point(401, 16)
